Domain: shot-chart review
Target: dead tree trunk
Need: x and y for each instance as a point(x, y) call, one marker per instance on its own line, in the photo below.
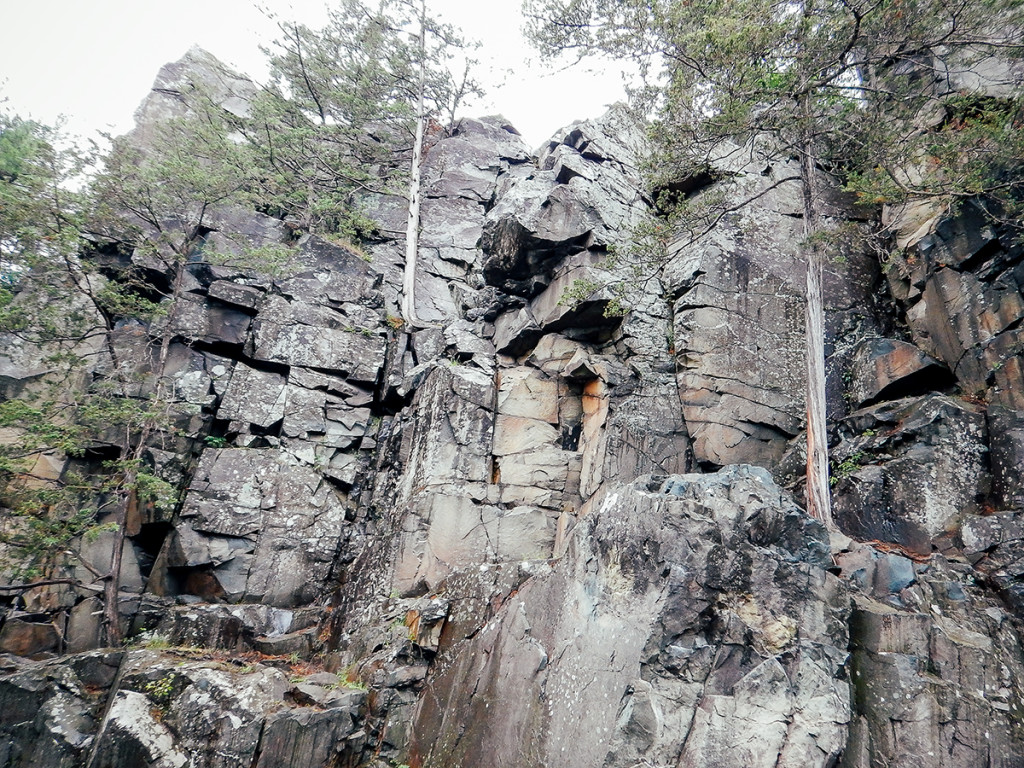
point(819, 503)
point(412, 232)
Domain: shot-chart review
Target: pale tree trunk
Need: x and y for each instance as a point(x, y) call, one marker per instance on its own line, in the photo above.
point(819, 503)
point(412, 232)
point(112, 585)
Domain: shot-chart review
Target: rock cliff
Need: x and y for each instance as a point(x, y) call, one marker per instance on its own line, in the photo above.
point(536, 533)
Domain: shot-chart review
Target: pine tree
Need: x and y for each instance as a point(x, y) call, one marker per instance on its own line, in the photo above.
point(828, 82)
point(100, 338)
point(346, 114)
point(439, 92)
point(93, 283)
point(338, 117)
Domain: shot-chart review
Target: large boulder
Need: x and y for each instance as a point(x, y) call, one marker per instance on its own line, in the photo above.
point(226, 88)
point(684, 611)
point(886, 369)
point(910, 471)
point(49, 711)
point(936, 667)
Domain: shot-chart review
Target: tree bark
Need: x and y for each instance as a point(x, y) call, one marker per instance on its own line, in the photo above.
point(412, 232)
point(112, 584)
point(819, 503)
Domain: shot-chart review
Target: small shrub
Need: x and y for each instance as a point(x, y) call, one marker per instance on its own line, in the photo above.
point(846, 467)
point(161, 690)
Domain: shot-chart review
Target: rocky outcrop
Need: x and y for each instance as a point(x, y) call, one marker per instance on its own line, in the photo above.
point(737, 322)
point(178, 708)
point(935, 666)
point(538, 530)
point(962, 291)
point(685, 610)
point(910, 471)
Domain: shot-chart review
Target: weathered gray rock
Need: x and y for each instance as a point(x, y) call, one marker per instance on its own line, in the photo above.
point(575, 202)
point(446, 532)
point(936, 673)
point(648, 611)
point(234, 293)
point(516, 332)
point(178, 713)
point(238, 234)
point(884, 368)
point(460, 175)
point(738, 312)
point(227, 627)
point(961, 284)
point(261, 528)
point(738, 336)
point(229, 90)
point(49, 711)
point(911, 471)
point(314, 337)
point(1006, 455)
point(528, 234)
point(449, 514)
point(995, 546)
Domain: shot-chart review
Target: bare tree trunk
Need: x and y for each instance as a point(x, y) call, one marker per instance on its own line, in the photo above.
point(412, 232)
point(819, 503)
point(135, 450)
point(112, 584)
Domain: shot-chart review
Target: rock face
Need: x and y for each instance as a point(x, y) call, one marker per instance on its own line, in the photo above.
point(738, 319)
point(538, 531)
point(682, 607)
point(960, 282)
point(934, 668)
point(911, 470)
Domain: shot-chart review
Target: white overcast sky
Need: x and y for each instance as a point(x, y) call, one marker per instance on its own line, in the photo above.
point(93, 61)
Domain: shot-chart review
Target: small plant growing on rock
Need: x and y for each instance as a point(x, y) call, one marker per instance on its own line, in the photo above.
point(846, 467)
point(161, 690)
point(153, 641)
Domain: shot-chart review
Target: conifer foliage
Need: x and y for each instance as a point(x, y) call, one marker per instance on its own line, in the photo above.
point(338, 116)
point(96, 268)
point(874, 92)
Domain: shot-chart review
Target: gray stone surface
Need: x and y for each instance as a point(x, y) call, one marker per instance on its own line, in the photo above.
point(738, 333)
point(175, 713)
point(936, 672)
point(911, 470)
point(230, 90)
point(959, 282)
point(313, 337)
point(263, 528)
point(635, 637)
point(1006, 455)
point(543, 216)
point(49, 711)
point(482, 527)
point(883, 367)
